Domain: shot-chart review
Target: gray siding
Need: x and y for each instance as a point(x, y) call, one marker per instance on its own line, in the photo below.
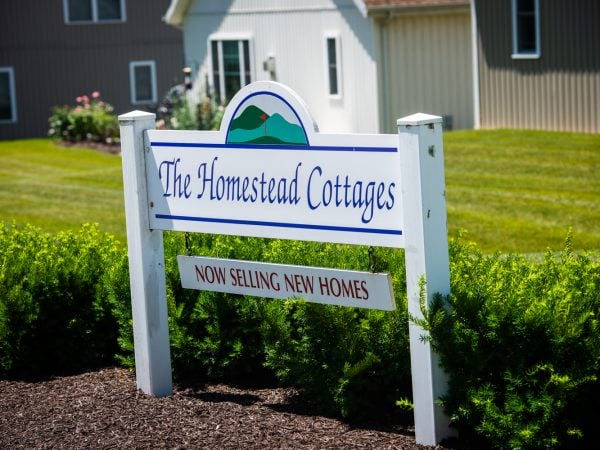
point(54, 62)
point(558, 91)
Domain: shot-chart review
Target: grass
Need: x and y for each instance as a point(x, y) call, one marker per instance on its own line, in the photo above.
point(512, 191)
point(521, 191)
point(58, 188)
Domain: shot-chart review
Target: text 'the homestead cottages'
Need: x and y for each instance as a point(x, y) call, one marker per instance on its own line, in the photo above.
point(359, 65)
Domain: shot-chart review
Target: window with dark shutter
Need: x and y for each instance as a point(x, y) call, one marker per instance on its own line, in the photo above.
point(143, 82)
point(526, 29)
point(8, 110)
point(333, 66)
point(94, 11)
point(231, 67)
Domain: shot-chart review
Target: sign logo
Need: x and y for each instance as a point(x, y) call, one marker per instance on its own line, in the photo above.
point(252, 124)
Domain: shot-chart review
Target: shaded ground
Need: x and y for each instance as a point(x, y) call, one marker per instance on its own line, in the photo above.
point(106, 148)
point(103, 409)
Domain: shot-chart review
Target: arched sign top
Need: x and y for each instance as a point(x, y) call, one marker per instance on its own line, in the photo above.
point(267, 113)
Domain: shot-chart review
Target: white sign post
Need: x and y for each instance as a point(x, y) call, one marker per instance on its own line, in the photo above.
point(426, 257)
point(268, 173)
point(146, 264)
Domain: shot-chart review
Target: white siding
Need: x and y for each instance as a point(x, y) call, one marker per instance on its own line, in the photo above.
point(293, 31)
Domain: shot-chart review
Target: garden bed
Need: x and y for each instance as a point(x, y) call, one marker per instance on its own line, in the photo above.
point(100, 146)
point(103, 409)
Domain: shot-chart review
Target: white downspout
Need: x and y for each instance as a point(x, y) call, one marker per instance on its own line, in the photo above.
point(475, 63)
point(385, 121)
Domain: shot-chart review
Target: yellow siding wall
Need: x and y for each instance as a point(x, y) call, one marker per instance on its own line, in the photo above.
point(426, 67)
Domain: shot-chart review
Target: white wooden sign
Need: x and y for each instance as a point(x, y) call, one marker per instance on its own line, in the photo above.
point(268, 172)
point(317, 285)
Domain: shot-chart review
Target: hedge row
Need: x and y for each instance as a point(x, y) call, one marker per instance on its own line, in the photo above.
point(521, 341)
point(54, 317)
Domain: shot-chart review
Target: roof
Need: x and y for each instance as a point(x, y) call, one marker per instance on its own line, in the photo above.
point(372, 4)
point(178, 8)
point(376, 8)
point(176, 12)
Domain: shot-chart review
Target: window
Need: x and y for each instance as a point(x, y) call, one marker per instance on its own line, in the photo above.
point(142, 77)
point(8, 106)
point(231, 68)
point(93, 11)
point(526, 28)
point(333, 65)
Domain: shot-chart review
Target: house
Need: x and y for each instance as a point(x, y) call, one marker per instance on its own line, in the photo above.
point(54, 51)
point(424, 60)
point(359, 65)
point(538, 64)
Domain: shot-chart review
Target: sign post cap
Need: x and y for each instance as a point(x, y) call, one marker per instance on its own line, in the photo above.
point(136, 115)
point(419, 119)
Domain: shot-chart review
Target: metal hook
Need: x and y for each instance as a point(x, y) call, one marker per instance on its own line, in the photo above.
point(188, 244)
point(372, 260)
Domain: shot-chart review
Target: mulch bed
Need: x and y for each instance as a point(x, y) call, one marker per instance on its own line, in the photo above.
point(106, 148)
point(104, 409)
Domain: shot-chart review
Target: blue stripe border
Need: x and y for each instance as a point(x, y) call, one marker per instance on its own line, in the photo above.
point(325, 148)
point(281, 224)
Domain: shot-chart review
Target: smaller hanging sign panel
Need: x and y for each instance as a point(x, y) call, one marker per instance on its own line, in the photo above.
point(314, 284)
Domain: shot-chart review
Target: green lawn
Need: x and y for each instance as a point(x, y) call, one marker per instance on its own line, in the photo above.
point(59, 188)
point(513, 191)
point(521, 191)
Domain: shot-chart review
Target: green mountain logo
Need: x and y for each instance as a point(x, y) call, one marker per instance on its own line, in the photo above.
point(254, 126)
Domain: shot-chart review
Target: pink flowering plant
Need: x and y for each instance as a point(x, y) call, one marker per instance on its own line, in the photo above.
point(91, 119)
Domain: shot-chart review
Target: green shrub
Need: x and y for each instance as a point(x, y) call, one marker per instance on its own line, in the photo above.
point(346, 361)
point(332, 354)
point(218, 338)
point(90, 120)
point(53, 316)
point(116, 289)
point(206, 116)
point(209, 113)
point(181, 117)
point(521, 343)
point(213, 336)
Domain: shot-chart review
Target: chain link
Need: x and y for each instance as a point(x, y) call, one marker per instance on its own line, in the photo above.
point(372, 259)
point(188, 244)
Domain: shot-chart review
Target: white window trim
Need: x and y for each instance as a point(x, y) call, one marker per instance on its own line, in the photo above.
point(220, 37)
point(523, 55)
point(13, 98)
point(338, 56)
point(132, 66)
point(95, 18)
